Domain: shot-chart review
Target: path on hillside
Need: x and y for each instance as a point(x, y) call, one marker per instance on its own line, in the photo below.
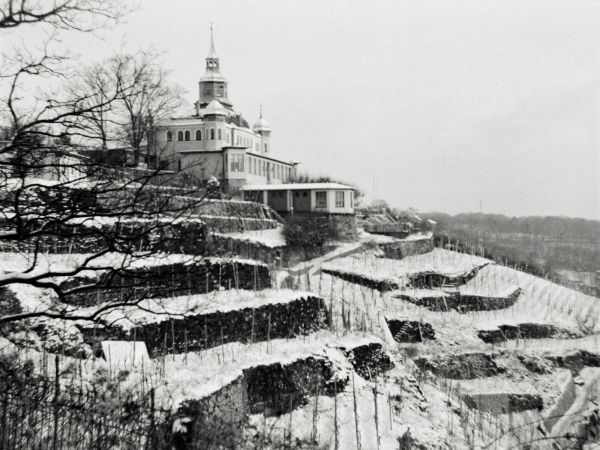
point(584, 394)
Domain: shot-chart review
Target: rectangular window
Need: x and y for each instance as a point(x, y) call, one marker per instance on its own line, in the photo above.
point(212, 134)
point(321, 199)
point(339, 199)
point(220, 135)
point(236, 163)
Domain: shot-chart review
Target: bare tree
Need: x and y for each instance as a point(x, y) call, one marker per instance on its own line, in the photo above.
point(83, 15)
point(154, 98)
point(51, 195)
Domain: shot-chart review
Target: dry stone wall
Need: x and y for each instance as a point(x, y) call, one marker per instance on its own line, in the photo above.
point(201, 331)
point(368, 360)
point(504, 403)
point(447, 301)
point(168, 281)
point(521, 331)
point(404, 248)
point(410, 331)
point(465, 366)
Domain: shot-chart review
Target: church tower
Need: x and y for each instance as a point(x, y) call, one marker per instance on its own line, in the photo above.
point(212, 85)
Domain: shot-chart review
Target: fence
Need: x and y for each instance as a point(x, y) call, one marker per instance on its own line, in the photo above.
point(38, 412)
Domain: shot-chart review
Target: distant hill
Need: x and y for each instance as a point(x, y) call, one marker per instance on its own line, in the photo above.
point(541, 245)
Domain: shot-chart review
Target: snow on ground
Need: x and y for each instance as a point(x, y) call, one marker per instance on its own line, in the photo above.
point(18, 262)
point(271, 238)
point(198, 374)
point(158, 310)
point(541, 301)
point(439, 261)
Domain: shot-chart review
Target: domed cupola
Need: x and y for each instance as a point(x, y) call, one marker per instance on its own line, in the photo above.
point(213, 110)
point(212, 84)
point(262, 126)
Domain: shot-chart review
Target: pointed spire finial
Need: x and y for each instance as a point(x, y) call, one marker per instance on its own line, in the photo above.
point(212, 53)
point(261, 110)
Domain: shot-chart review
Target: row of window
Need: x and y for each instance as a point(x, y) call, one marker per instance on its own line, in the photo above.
point(210, 135)
point(321, 199)
point(186, 135)
point(256, 166)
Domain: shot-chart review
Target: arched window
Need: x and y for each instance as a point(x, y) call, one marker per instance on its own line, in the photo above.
point(187, 135)
point(220, 136)
point(198, 135)
point(169, 136)
point(180, 135)
point(212, 134)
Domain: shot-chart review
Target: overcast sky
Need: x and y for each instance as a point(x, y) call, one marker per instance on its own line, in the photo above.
point(438, 105)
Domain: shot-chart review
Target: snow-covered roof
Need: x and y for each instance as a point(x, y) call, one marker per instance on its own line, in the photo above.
point(262, 125)
point(294, 186)
point(212, 76)
point(182, 121)
point(215, 107)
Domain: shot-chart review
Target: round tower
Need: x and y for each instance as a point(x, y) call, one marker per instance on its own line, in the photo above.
point(263, 128)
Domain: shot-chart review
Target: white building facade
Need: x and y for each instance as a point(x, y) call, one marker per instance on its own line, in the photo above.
point(217, 141)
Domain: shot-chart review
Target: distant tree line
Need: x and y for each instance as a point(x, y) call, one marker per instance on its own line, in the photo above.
point(538, 245)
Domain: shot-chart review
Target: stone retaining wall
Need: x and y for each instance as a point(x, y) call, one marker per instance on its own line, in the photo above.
point(424, 280)
point(521, 331)
point(577, 360)
point(503, 403)
point(402, 249)
point(410, 331)
point(216, 421)
point(368, 360)
point(168, 281)
point(161, 235)
point(462, 303)
point(202, 331)
point(465, 366)
point(363, 280)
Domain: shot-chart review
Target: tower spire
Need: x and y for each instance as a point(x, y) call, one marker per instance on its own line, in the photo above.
point(212, 54)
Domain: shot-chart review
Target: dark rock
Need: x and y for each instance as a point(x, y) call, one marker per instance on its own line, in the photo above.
point(465, 366)
point(369, 361)
point(408, 331)
point(504, 403)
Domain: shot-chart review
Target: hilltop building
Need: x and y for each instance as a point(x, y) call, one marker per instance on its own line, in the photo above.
point(217, 140)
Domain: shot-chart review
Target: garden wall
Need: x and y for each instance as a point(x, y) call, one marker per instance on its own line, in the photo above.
point(168, 281)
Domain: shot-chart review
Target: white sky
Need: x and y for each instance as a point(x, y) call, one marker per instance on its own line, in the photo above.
point(448, 103)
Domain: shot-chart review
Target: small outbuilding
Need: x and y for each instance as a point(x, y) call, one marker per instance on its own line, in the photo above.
point(302, 198)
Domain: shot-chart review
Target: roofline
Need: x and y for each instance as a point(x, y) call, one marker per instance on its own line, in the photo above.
point(296, 187)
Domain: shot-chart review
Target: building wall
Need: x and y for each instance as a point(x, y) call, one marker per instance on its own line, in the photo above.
point(331, 207)
point(301, 200)
point(203, 165)
point(278, 200)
